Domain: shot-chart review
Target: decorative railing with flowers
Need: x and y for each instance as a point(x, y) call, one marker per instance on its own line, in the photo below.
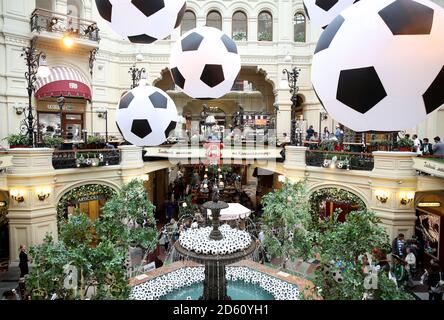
point(340, 160)
point(44, 20)
point(85, 158)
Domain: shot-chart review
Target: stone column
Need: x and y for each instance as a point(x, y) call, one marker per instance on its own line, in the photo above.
point(31, 217)
point(295, 157)
point(131, 163)
point(393, 176)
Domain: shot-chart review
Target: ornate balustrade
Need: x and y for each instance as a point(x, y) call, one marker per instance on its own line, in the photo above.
point(340, 160)
point(86, 158)
point(44, 20)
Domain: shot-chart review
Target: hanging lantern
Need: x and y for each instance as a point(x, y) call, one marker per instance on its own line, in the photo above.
point(205, 63)
point(142, 21)
point(379, 65)
point(322, 12)
point(146, 116)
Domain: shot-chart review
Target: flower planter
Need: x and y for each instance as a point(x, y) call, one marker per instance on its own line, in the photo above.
point(405, 149)
point(18, 146)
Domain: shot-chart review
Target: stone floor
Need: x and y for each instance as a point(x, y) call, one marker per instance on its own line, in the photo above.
point(9, 279)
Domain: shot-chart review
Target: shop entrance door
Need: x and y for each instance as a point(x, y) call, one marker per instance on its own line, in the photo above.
point(91, 208)
point(73, 126)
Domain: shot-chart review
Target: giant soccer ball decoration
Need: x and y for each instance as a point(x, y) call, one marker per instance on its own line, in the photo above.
point(379, 65)
point(322, 12)
point(146, 116)
point(142, 21)
point(205, 63)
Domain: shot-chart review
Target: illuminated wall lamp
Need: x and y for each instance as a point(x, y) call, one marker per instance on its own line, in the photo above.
point(382, 196)
point(17, 196)
point(43, 194)
point(407, 197)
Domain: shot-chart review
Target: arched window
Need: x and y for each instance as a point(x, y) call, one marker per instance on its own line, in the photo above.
point(188, 21)
point(75, 8)
point(214, 19)
point(265, 26)
point(44, 4)
point(240, 26)
point(299, 27)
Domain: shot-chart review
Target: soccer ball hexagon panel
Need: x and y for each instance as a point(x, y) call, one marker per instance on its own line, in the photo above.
point(142, 21)
point(322, 12)
point(146, 116)
point(205, 63)
point(379, 65)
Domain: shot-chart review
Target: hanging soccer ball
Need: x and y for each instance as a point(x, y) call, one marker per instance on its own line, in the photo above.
point(379, 65)
point(142, 21)
point(205, 63)
point(322, 12)
point(146, 116)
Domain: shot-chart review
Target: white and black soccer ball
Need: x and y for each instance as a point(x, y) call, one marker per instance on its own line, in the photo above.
point(146, 116)
point(322, 12)
point(379, 65)
point(205, 63)
point(142, 21)
point(337, 276)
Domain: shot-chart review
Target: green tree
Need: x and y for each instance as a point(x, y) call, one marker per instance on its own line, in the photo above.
point(285, 222)
point(97, 250)
point(291, 232)
point(128, 220)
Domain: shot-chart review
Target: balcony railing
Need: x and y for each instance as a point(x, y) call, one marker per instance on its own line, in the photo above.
point(86, 158)
point(340, 160)
point(44, 20)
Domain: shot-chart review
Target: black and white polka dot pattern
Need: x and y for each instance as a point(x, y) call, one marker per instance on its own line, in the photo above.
point(197, 240)
point(185, 277)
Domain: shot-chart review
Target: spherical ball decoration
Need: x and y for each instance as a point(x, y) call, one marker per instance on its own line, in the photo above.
point(379, 65)
point(142, 21)
point(146, 116)
point(322, 12)
point(204, 63)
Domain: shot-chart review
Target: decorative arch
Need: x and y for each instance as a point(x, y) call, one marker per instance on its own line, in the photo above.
point(267, 6)
point(116, 187)
point(214, 5)
point(356, 192)
point(80, 190)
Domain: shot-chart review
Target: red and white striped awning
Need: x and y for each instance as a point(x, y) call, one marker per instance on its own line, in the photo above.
point(63, 81)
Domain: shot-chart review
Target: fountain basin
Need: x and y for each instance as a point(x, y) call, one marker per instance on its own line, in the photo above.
point(244, 283)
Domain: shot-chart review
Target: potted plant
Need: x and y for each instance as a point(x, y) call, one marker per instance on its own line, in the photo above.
point(17, 140)
point(240, 36)
point(52, 142)
point(405, 144)
point(95, 142)
point(380, 145)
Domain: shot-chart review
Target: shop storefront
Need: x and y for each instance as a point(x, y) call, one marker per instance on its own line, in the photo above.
point(62, 118)
point(68, 122)
point(430, 226)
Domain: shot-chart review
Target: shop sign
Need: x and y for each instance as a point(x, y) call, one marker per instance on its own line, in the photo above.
point(429, 166)
point(429, 204)
point(56, 107)
point(73, 85)
point(89, 198)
